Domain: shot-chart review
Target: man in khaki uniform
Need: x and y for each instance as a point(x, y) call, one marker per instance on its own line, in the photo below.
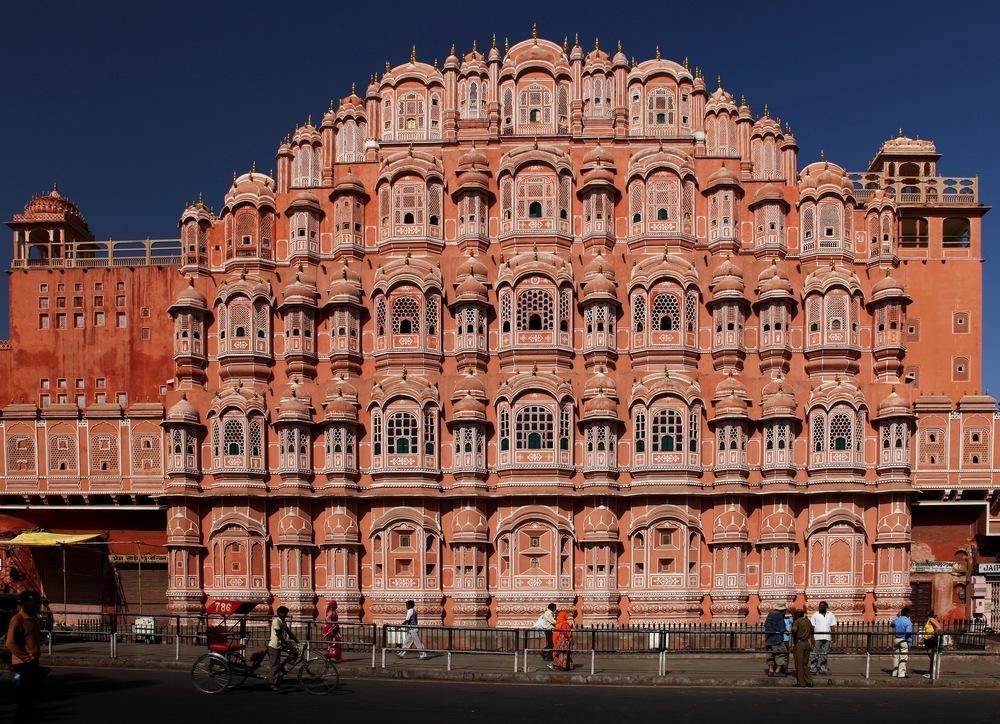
point(802, 643)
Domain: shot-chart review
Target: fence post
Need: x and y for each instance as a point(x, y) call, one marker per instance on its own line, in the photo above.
point(177, 638)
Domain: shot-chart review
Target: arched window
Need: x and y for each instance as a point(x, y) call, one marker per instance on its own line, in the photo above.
point(639, 431)
point(667, 433)
point(401, 433)
point(666, 312)
point(504, 430)
point(534, 310)
point(233, 437)
point(535, 210)
point(955, 233)
point(405, 316)
point(840, 431)
point(534, 428)
point(818, 424)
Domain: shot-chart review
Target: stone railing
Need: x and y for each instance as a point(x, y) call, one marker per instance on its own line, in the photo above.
point(89, 254)
point(923, 191)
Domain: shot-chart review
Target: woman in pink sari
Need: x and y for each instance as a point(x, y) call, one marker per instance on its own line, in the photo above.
point(562, 642)
point(331, 632)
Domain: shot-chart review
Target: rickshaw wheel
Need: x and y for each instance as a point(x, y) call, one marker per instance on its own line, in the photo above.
point(238, 669)
point(211, 674)
point(318, 676)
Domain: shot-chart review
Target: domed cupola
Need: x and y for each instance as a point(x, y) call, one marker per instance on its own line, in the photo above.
point(189, 311)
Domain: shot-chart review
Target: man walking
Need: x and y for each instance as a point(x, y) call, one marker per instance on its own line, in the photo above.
point(547, 623)
point(24, 644)
point(823, 623)
point(902, 638)
point(802, 642)
point(774, 640)
point(412, 635)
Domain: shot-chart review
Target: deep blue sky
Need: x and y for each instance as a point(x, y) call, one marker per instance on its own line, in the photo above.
point(135, 107)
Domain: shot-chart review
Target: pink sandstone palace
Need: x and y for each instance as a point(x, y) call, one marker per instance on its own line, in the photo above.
point(536, 325)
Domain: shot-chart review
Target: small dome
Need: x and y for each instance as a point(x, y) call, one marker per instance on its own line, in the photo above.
point(778, 527)
point(190, 298)
point(294, 409)
point(888, 288)
point(600, 526)
point(777, 402)
point(469, 409)
point(722, 177)
point(183, 412)
point(51, 204)
point(768, 193)
point(599, 155)
point(295, 528)
point(345, 287)
point(822, 175)
point(470, 526)
point(894, 405)
point(253, 187)
point(730, 525)
point(600, 287)
point(727, 280)
point(474, 159)
point(471, 289)
point(893, 526)
point(304, 200)
point(773, 283)
point(469, 384)
point(339, 408)
point(599, 382)
point(349, 184)
point(600, 407)
point(341, 529)
point(300, 292)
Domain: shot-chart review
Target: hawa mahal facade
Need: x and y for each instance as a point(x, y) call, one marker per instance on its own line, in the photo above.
point(537, 325)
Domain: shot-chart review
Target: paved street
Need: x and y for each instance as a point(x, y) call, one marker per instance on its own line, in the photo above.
point(82, 695)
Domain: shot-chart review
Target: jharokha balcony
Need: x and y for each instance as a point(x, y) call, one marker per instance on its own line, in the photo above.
point(922, 191)
point(91, 254)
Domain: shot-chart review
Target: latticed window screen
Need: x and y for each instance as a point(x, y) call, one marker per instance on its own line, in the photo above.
point(246, 226)
point(504, 429)
point(62, 452)
point(377, 432)
point(639, 431)
point(408, 203)
point(508, 105)
point(505, 311)
point(635, 202)
point(255, 437)
point(104, 451)
point(536, 189)
point(932, 446)
point(239, 318)
point(666, 311)
point(20, 453)
point(836, 312)
point(691, 311)
point(565, 308)
point(662, 197)
point(261, 319)
point(667, 431)
point(410, 112)
point(432, 306)
point(841, 431)
point(638, 313)
point(535, 105)
point(233, 437)
point(829, 224)
point(534, 310)
point(145, 452)
point(809, 226)
point(817, 422)
point(380, 317)
point(694, 426)
point(430, 431)
point(401, 433)
point(533, 428)
point(564, 428)
point(660, 107)
point(434, 205)
point(405, 315)
point(383, 206)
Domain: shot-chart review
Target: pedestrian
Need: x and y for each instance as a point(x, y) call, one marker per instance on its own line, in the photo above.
point(412, 633)
point(546, 622)
point(774, 640)
point(280, 649)
point(562, 643)
point(932, 641)
point(24, 644)
point(802, 642)
point(331, 632)
point(902, 638)
point(823, 623)
point(787, 639)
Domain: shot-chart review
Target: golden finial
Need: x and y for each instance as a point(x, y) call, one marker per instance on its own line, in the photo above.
point(413, 54)
point(576, 39)
point(535, 143)
point(404, 374)
point(452, 48)
point(619, 46)
point(900, 132)
point(309, 119)
point(634, 64)
point(743, 100)
point(330, 108)
point(253, 167)
point(387, 67)
point(687, 66)
point(201, 198)
point(597, 43)
point(506, 46)
point(474, 45)
point(767, 113)
point(657, 52)
point(534, 369)
point(822, 156)
point(494, 41)
point(354, 91)
point(534, 31)
point(234, 178)
point(697, 72)
point(565, 43)
point(435, 64)
point(718, 81)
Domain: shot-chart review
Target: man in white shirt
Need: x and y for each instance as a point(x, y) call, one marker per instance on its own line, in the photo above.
point(411, 632)
point(547, 623)
point(824, 623)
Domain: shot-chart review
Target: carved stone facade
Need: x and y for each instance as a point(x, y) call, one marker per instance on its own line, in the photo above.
point(538, 326)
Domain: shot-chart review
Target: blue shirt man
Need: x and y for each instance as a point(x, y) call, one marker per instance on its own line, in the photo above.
point(902, 626)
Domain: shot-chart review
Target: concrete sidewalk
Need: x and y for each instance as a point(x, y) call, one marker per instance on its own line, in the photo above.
point(718, 670)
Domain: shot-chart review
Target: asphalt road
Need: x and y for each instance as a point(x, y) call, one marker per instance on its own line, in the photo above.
point(113, 696)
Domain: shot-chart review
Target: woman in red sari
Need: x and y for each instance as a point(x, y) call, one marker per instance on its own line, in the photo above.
point(562, 642)
point(331, 632)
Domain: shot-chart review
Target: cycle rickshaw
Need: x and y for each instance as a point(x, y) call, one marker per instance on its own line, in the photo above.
point(227, 667)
